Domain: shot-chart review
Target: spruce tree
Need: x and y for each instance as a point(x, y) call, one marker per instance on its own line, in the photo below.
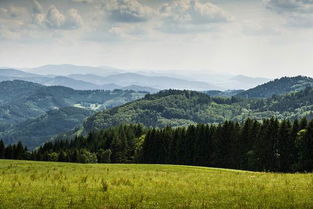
point(285, 147)
point(2, 149)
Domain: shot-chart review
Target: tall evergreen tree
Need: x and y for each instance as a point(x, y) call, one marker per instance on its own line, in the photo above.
point(285, 147)
point(2, 149)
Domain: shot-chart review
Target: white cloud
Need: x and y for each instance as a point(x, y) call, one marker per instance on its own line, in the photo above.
point(55, 19)
point(191, 15)
point(127, 11)
point(39, 19)
point(73, 19)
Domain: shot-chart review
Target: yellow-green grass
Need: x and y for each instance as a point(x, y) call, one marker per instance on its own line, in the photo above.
point(27, 184)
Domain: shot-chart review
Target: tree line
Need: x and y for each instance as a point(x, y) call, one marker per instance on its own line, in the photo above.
point(270, 145)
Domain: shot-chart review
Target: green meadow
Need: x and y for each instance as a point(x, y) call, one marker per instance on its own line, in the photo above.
point(44, 185)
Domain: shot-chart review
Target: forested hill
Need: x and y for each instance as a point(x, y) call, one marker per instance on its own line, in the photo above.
point(170, 107)
point(278, 87)
point(299, 101)
point(180, 108)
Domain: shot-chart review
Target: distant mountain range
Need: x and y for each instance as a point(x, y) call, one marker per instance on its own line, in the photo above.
point(85, 83)
point(111, 78)
point(116, 81)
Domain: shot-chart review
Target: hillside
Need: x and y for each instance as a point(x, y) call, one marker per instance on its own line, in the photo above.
point(278, 87)
point(80, 186)
point(180, 108)
point(34, 132)
point(170, 107)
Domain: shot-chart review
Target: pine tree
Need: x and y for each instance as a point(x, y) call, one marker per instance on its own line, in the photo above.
point(117, 147)
point(307, 154)
point(2, 150)
point(285, 147)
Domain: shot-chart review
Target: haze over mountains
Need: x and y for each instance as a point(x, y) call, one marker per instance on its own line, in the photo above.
point(84, 77)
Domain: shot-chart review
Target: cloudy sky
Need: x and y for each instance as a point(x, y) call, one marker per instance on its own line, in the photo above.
point(268, 38)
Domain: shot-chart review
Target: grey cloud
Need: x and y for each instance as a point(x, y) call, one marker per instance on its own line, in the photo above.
point(83, 1)
point(298, 13)
point(37, 8)
point(298, 6)
point(12, 12)
point(300, 20)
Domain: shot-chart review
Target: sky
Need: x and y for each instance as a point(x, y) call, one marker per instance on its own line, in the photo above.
point(268, 38)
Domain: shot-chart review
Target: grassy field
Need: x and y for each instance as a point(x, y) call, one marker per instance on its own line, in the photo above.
point(26, 184)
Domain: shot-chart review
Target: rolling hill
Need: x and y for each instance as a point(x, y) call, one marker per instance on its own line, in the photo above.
point(278, 87)
point(170, 107)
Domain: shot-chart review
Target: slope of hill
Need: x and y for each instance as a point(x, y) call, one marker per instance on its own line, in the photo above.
point(36, 131)
point(299, 101)
point(278, 87)
point(170, 107)
point(13, 90)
